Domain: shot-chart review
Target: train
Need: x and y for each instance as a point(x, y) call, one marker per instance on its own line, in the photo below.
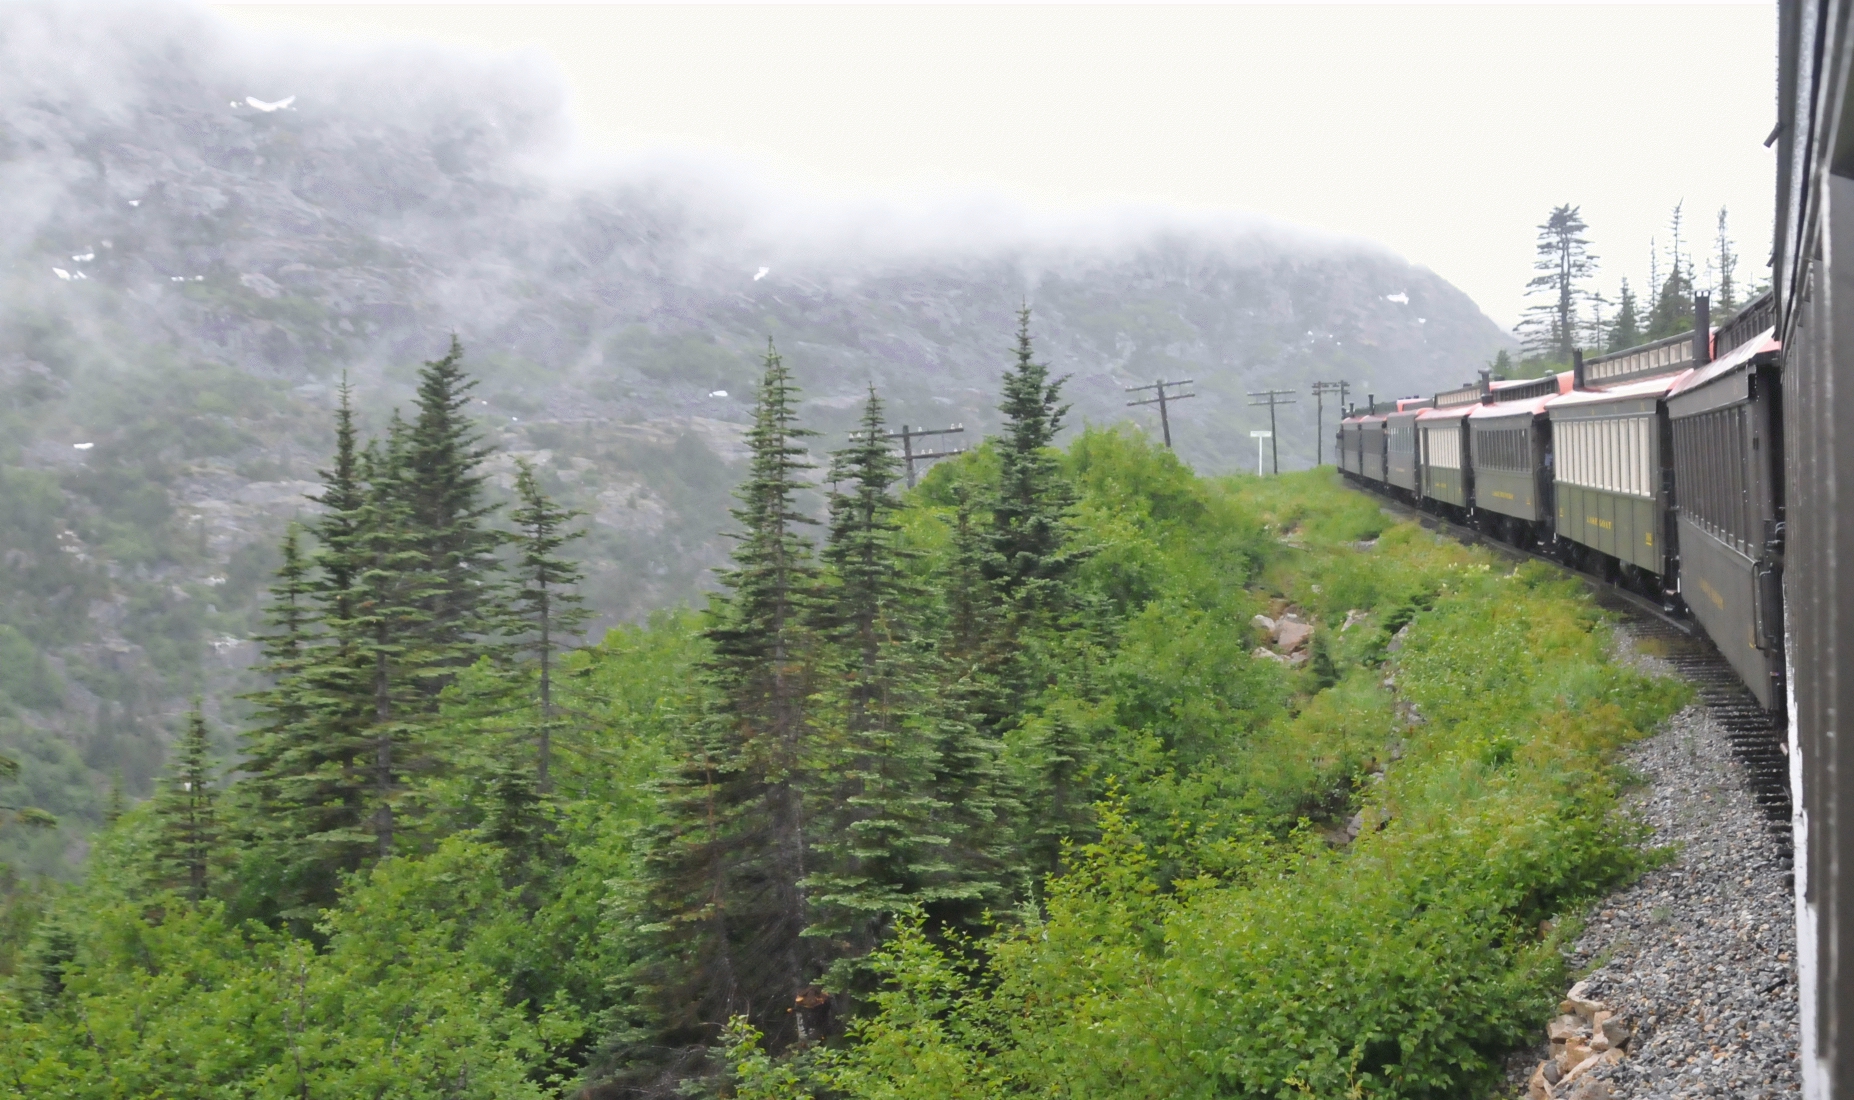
point(1658, 468)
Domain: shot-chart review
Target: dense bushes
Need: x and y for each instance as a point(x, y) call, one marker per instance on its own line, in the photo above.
point(1210, 928)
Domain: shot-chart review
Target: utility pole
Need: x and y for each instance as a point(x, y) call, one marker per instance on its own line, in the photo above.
point(1165, 420)
point(1271, 398)
point(1320, 390)
point(910, 456)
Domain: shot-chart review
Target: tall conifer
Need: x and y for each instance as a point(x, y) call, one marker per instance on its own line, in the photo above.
point(390, 631)
point(1626, 330)
point(1031, 552)
point(1565, 265)
point(186, 814)
point(442, 455)
point(546, 608)
point(878, 851)
point(726, 875)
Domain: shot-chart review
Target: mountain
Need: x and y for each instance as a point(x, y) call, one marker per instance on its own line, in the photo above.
point(206, 232)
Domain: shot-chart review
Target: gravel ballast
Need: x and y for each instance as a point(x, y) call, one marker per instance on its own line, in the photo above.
point(1698, 955)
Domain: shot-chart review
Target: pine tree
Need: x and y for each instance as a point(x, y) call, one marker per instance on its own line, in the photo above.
point(1565, 265)
point(185, 810)
point(726, 873)
point(1625, 331)
point(877, 851)
point(443, 486)
point(1502, 365)
point(546, 608)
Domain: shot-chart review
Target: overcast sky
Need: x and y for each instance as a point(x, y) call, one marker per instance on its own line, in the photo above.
point(1446, 133)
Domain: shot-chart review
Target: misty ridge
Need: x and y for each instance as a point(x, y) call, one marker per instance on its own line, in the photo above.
point(206, 230)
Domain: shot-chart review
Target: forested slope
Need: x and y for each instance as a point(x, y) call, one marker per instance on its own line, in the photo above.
point(185, 277)
point(995, 787)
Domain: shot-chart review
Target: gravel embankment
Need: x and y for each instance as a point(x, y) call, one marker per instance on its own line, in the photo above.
point(1698, 956)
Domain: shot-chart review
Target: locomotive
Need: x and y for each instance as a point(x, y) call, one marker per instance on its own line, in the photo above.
point(1658, 468)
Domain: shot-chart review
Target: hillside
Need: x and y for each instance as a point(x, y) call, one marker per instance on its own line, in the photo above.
point(188, 269)
point(1266, 794)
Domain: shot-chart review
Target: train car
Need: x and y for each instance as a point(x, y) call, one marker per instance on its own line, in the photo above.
point(1727, 425)
point(1611, 479)
point(1348, 444)
point(1400, 446)
point(1510, 454)
point(1447, 479)
point(1371, 445)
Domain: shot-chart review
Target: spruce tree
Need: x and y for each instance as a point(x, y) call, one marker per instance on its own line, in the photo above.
point(1626, 330)
point(391, 629)
point(1565, 265)
point(1031, 553)
point(283, 708)
point(185, 813)
point(878, 853)
point(726, 873)
point(546, 608)
point(441, 458)
point(304, 802)
point(978, 809)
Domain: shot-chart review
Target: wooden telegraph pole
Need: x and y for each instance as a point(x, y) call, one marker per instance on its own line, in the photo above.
point(1320, 390)
point(1271, 398)
point(1165, 420)
point(910, 456)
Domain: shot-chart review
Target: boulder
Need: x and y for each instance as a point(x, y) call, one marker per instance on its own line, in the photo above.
point(1264, 652)
point(1565, 1027)
point(1579, 1001)
point(1264, 624)
point(1291, 635)
point(1537, 1087)
point(1617, 1031)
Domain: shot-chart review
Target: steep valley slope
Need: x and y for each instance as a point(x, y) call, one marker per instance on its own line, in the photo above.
point(205, 233)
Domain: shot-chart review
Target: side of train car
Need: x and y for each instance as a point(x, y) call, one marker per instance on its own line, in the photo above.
point(1658, 468)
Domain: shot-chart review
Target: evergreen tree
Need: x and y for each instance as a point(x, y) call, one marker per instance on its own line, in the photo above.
point(285, 712)
point(390, 632)
point(546, 608)
point(1672, 312)
point(441, 458)
point(1727, 264)
point(1030, 555)
point(1625, 331)
point(1502, 365)
point(1565, 265)
point(305, 798)
point(118, 802)
point(185, 810)
point(977, 804)
point(727, 873)
point(877, 851)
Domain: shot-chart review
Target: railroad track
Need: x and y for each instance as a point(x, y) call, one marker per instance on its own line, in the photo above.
point(1759, 739)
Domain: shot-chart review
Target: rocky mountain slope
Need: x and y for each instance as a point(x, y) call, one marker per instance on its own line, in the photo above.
point(204, 233)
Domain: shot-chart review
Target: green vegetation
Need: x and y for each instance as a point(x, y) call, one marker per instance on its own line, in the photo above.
point(990, 788)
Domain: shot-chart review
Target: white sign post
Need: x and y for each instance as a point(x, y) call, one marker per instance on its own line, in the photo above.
point(1259, 437)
